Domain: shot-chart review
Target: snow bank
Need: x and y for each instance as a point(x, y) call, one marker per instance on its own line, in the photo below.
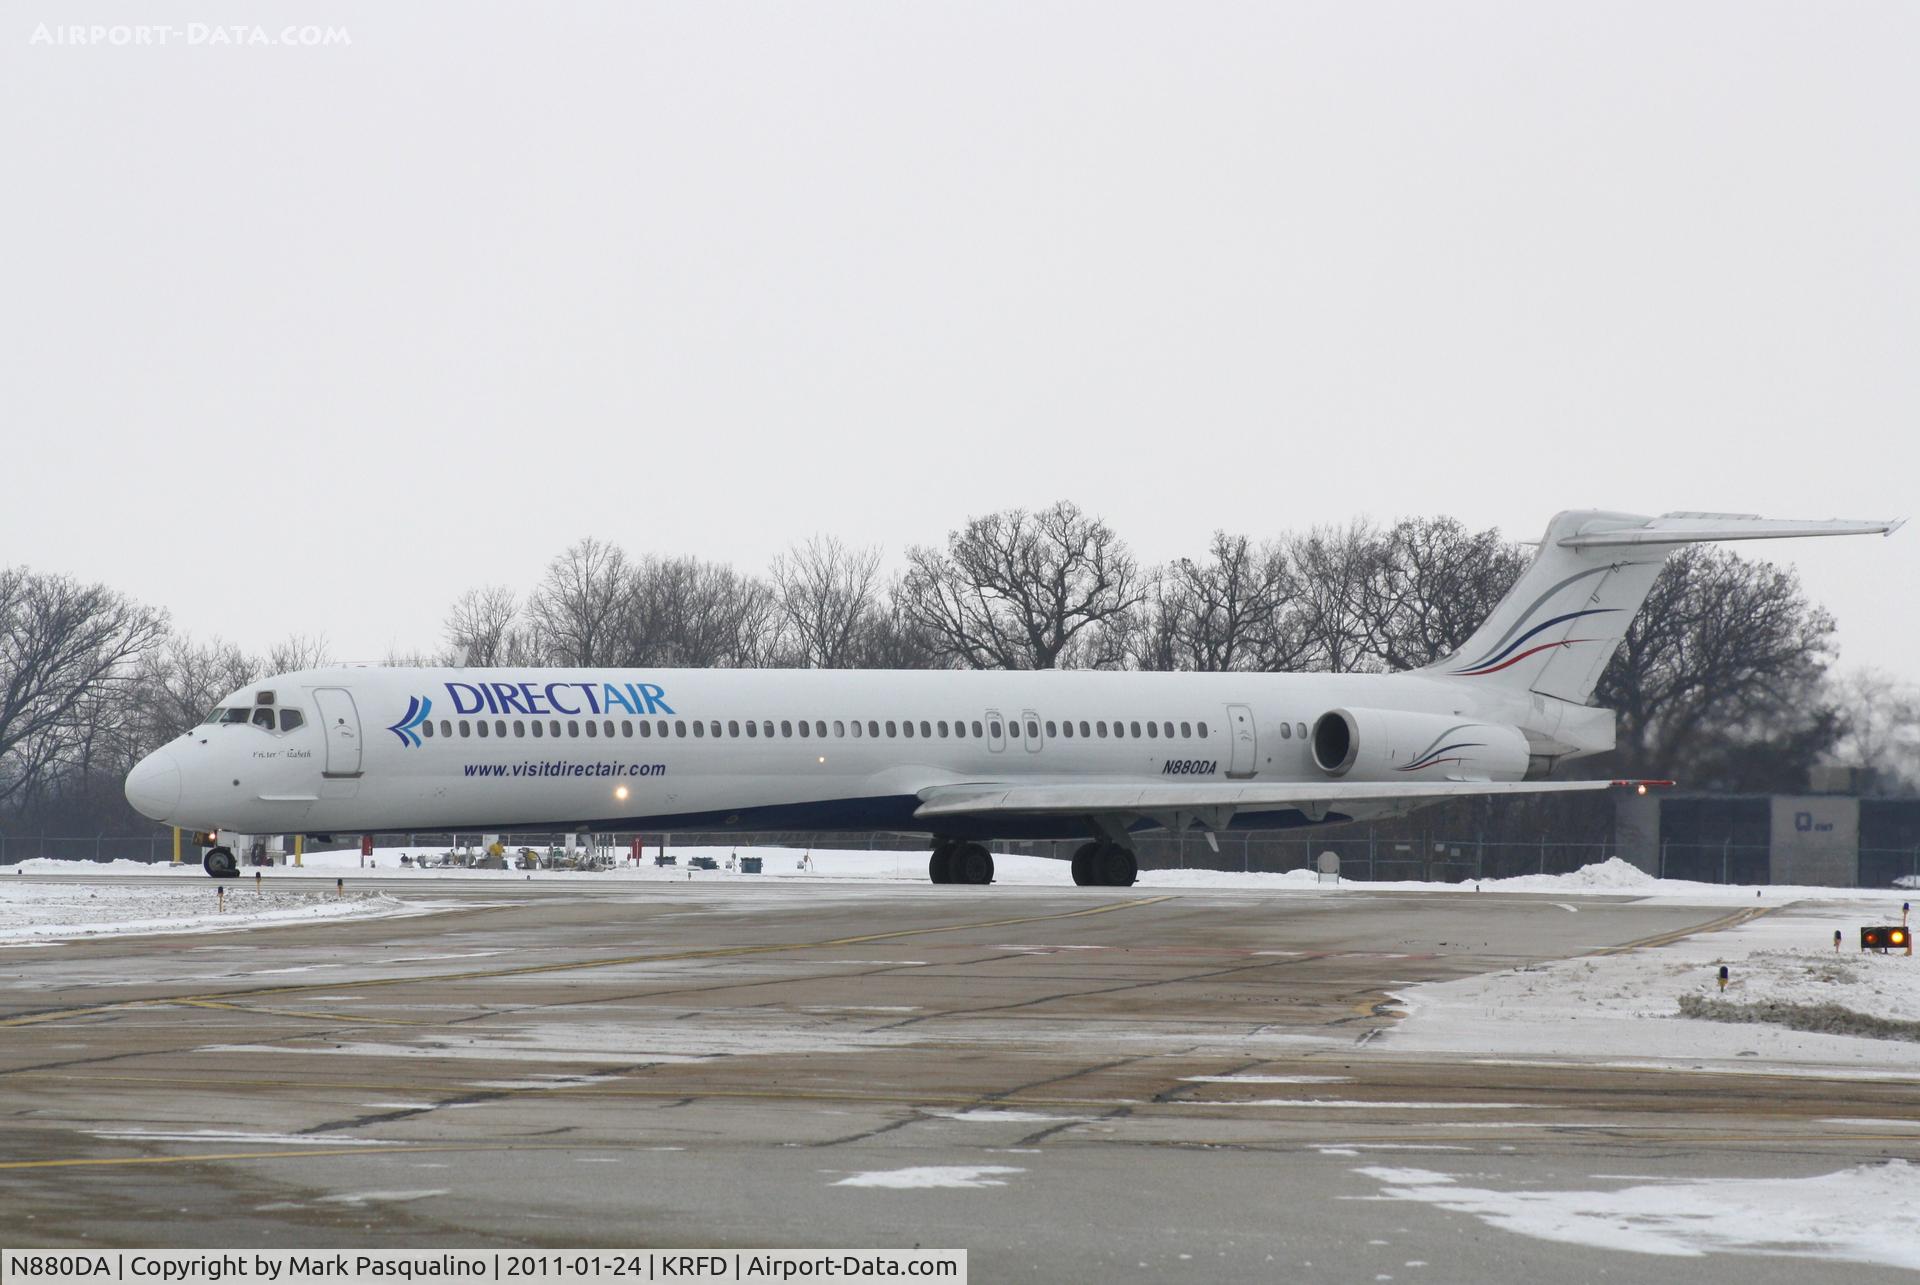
point(1628, 1006)
point(38, 912)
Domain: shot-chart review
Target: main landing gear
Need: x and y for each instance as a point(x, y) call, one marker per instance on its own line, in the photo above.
point(960, 863)
point(220, 864)
point(1105, 865)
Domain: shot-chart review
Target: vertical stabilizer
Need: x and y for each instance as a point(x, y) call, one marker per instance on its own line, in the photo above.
point(1558, 627)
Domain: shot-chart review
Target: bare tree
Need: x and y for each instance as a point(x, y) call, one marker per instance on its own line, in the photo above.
point(580, 611)
point(686, 612)
point(1723, 647)
point(296, 652)
point(62, 645)
point(1332, 567)
point(480, 627)
point(1430, 583)
point(1235, 611)
point(1019, 590)
point(1882, 726)
point(826, 594)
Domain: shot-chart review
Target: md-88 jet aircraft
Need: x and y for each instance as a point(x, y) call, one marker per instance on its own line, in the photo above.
point(959, 756)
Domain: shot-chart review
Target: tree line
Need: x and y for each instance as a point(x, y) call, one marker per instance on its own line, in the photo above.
point(1723, 680)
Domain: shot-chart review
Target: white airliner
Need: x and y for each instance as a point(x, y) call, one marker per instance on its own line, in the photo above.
point(960, 756)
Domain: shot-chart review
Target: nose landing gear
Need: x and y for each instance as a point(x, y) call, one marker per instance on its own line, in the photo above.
point(220, 863)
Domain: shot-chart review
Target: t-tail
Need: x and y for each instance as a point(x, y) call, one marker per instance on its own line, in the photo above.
point(1552, 635)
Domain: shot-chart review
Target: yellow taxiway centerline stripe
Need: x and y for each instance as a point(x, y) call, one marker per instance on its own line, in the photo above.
point(529, 970)
point(1733, 920)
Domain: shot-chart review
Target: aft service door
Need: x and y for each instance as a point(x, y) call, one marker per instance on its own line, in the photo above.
point(1245, 761)
point(342, 723)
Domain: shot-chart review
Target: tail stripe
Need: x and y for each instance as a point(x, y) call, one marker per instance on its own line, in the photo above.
point(1521, 620)
point(1545, 624)
point(1494, 669)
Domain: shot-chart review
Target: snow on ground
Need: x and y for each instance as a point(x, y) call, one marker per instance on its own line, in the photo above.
point(40, 914)
point(1626, 1006)
point(1866, 1214)
point(1605, 1007)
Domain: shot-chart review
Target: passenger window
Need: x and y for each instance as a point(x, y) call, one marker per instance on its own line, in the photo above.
point(753, 729)
point(839, 727)
point(715, 727)
point(464, 727)
point(1169, 730)
point(553, 728)
point(1100, 729)
point(593, 728)
point(994, 727)
point(1084, 732)
point(426, 728)
point(500, 728)
point(960, 728)
point(679, 727)
point(699, 728)
point(573, 729)
point(292, 718)
point(1186, 731)
point(1133, 730)
point(1119, 730)
point(1033, 729)
point(942, 725)
point(446, 728)
point(519, 728)
point(873, 727)
point(786, 727)
point(480, 726)
point(819, 727)
point(891, 730)
point(1286, 731)
point(626, 728)
point(1202, 729)
point(906, 727)
point(857, 729)
point(976, 728)
point(1153, 730)
point(926, 728)
point(538, 729)
point(1066, 728)
point(646, 728)
point(1050, 730)
point(804, 729)
point(733, 727)
point(766, 728)
point(1303, 731)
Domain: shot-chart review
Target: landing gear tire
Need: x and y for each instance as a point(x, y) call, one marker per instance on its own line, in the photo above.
point(1084, 864)
point(1117, 867)
point(220, 864)
point(972, 863)
point(940, 865)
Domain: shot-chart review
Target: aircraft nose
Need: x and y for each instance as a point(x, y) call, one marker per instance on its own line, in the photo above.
point(153, 787)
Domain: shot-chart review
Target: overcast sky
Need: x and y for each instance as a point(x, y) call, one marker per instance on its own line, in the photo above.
point(314, 338)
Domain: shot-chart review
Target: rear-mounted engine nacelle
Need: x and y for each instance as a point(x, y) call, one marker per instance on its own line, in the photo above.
point(1391, 745)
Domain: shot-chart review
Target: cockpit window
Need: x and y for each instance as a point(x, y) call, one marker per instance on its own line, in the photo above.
point(238, 714)
point(263, 718)
point(290, 719)
point(213, 715)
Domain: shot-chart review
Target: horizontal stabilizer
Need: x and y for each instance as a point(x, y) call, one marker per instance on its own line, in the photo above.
point(1693, 528)
point(1312, 797)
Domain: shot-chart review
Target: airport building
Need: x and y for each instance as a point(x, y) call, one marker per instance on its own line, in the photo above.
point(1830, 837)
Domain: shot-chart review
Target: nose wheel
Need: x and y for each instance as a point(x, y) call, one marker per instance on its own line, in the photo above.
point(220, 863)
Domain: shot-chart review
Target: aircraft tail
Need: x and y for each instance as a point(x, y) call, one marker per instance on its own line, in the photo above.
point(1555, 631)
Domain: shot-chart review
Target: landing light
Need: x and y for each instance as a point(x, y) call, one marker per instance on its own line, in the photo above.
point(620, 793)
point(823, 758)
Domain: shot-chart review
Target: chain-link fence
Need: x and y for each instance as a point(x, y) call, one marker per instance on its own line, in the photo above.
point(1367, 858)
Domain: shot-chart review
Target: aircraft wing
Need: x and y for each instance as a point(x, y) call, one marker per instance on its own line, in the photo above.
point(1208, 801)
